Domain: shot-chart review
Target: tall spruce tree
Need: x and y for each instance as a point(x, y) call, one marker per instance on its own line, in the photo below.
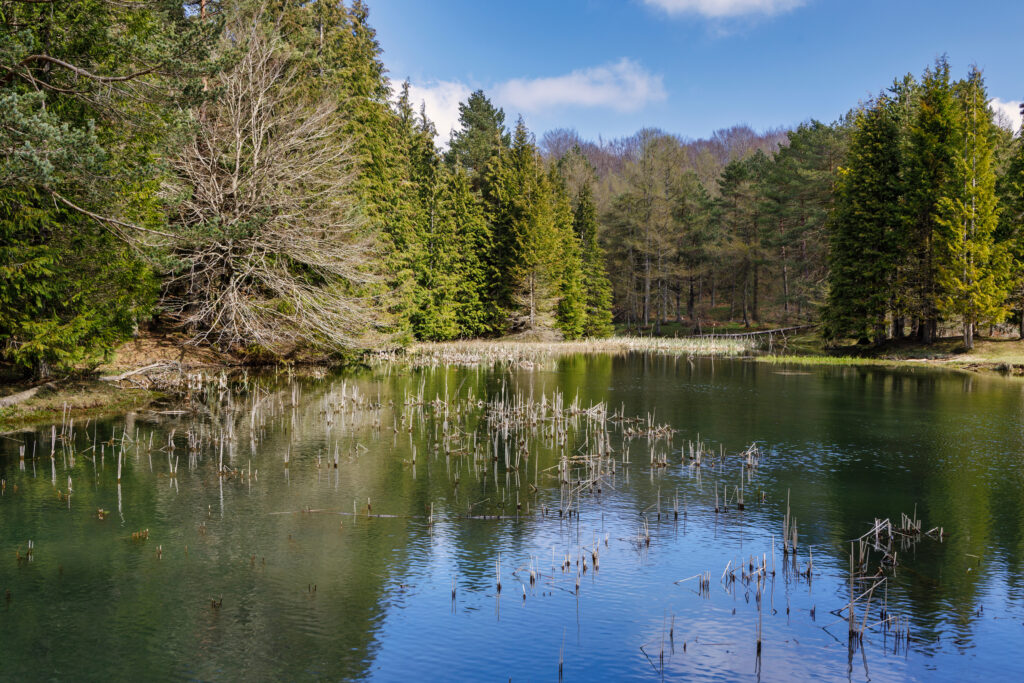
point(974, 271)
point(480, 137)
point(529, 219)
point(571, 289)
point(598, 290)
point(453, 281)
point(1010, 231)
point(905, 95)
point(865, 228)
point(935, 142)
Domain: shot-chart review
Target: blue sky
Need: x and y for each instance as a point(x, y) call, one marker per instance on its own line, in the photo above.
point(611, 67)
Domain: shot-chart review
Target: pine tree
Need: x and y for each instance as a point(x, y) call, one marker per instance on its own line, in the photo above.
point(525, 221)
point(480, 137)
point(572, 286)
point(865, 228)
point(933, 146)
point(598, 290)
point(91, 95)
point(1010, 231)
point(453, 282)
point(799, 190)
point(973, 271)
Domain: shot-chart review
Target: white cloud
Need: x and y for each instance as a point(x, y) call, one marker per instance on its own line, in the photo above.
point(718, 9)
point(624, 86)
point(1008, 111)
point(441, 99)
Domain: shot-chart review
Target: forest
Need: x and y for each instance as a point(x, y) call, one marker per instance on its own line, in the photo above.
point(246, 174)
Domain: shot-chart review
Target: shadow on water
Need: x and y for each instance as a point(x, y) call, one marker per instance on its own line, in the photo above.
point(349, 527)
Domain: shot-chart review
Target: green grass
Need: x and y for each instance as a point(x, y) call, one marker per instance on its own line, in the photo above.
point(775, 359)
point(82, 399)
point(1002, 355)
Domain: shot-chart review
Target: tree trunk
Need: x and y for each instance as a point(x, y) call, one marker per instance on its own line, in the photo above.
point(647, 290)
point(665, 301)
point(746, 314)
point(968, 334)
point(532, 301)
point(785, 284)
point(690, 301)
point(42, 370)
point(754, 307)
point(732, 300)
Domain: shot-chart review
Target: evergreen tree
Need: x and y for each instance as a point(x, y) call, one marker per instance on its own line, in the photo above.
point(453, 280)
point(1010, 231)
point(973, 271)
point(69, 290)
point(799, 189)
point(572, 286)
point(935, 142)
point(90, 97)
point(598, 290)
point(480, 137)
point(865, 228)
point(342, 58)
point(905, 96)
point(527, 223)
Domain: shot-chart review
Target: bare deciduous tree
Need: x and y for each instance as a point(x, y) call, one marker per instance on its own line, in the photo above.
point(269, 248)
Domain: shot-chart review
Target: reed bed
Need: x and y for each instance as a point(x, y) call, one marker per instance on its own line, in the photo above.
point(494, 443)
point(527, 354)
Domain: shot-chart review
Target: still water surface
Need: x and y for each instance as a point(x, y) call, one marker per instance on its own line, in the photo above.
point(266, 574)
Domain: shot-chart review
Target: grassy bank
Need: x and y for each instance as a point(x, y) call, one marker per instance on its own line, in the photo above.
point(79, 399)
point(87, 397)
point(91, 398)
point(996, 355)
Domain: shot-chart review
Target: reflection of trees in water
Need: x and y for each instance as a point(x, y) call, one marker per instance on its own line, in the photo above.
point(945, 443)
point(851, 443)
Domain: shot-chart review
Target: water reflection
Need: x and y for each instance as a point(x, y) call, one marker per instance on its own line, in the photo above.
point(318, 526)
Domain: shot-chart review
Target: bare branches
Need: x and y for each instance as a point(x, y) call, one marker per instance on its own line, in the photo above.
point(84, 73)
point(271, 248)
point(106, 221)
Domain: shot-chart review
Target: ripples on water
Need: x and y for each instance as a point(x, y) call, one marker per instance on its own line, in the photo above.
point(311, 591)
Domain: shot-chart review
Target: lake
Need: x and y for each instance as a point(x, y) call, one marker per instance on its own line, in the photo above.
point(354, 526)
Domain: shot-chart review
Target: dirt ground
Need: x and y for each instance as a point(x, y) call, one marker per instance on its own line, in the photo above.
point(147, 349)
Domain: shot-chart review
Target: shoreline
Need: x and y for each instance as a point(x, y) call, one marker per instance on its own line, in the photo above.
point(75, 399)
point(101, 396)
